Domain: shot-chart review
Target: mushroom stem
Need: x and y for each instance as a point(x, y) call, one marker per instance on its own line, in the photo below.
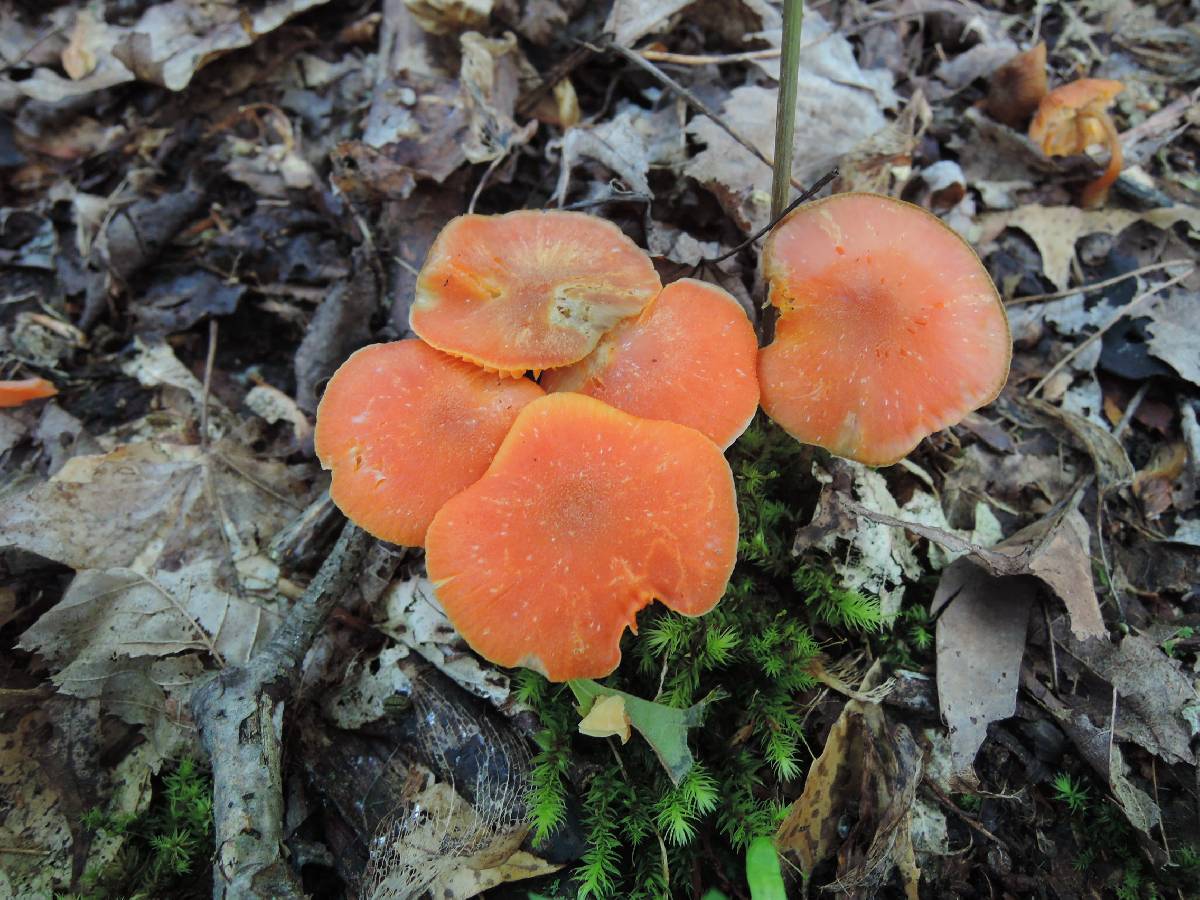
point(1095, 192)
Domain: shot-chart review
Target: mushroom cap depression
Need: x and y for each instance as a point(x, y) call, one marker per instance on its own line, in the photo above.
point(690, 357)
point(585, 516)
point(15, 393)
point(528, 289)
point(890, 327)
point(405, 427)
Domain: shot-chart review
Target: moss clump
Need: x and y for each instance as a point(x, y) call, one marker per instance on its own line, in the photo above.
point(165, 847)
point(751, 656)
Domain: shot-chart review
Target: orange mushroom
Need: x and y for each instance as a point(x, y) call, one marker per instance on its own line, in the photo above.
point(688, 358)
point(1073, 117)
point(586, 515)
point(1017, 87)
point(890, 328)
point(405, 427)
point(15, 393)
point(528, 289)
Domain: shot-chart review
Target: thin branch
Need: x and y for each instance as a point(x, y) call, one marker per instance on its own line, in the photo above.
point(775, 220)
point(239, 714)
point(785, 110)
point(1095, 285)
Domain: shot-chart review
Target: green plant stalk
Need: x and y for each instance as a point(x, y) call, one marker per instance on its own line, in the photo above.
point(785, 128)
point(785, 112)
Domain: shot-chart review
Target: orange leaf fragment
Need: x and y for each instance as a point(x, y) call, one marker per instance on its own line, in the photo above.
point(15, 393)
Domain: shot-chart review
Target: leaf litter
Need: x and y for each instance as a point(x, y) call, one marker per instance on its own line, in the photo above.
point(208, 208)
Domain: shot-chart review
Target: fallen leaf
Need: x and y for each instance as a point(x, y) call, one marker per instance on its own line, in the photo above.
point(167, 45)
point(836, 99)
point(491, 78)
point(628, 144)
point(1157, 704)
point(1174, 332)
point(1101, 752)
point(980, 643)
point(1054, 549)
point(607, 718)
point(414, 617)
point(1113, 468)
point(665, 728)
point(1056, 229)
point(450, 16)
point(630, 20)
point(871, 771)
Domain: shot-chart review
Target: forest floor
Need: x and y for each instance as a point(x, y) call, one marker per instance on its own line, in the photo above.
point(973, 673)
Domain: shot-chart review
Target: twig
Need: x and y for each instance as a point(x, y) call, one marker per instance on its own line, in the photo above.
point(209, 360)
point(1100, 332)
point(239, 714)
point(785, 109)
point(691, 99)
point(953, 807)
point(708, 59)
point(806, 195)
point(1131, 409)
point(483, 179)
point(1053, 652)
point(1095, 285)
point(785, 130)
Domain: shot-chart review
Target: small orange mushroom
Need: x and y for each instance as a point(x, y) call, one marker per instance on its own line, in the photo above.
point(15, 393)
point(1017, 87)
point(688, 358)
point(586, 515)
point(405, 427)
point(890, 328)
point(1073, 117)
point(528, 289)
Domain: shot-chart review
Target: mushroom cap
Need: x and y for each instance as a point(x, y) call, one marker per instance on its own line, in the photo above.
point(690, 357)
point(1017, 87)
point(1065, 119)
point(405, 427)
point(585, 515)
point(890, 327)
point(530, 289)
point(14, 393)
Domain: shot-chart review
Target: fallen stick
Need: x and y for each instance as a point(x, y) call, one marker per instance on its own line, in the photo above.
point(239, 714)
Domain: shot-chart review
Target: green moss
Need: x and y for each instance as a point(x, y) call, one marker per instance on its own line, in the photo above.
point(754, 650)
point(166, 847)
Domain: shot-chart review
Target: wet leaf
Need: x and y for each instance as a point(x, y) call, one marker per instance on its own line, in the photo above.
point(980, 643)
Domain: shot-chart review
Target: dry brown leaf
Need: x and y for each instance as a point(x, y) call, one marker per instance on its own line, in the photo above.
point(1173, 334)
point(450, 16)
point(980, 643)
point(1056, 229)
point(869, 769)
point(630, 20)
point(628, 144)
point(839, 105)
point(168, 44)
point(1158, 706)
point(1054, 549)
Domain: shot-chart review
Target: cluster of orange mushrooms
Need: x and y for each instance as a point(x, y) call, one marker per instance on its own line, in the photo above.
point(552, 512)
point(1065, 121)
